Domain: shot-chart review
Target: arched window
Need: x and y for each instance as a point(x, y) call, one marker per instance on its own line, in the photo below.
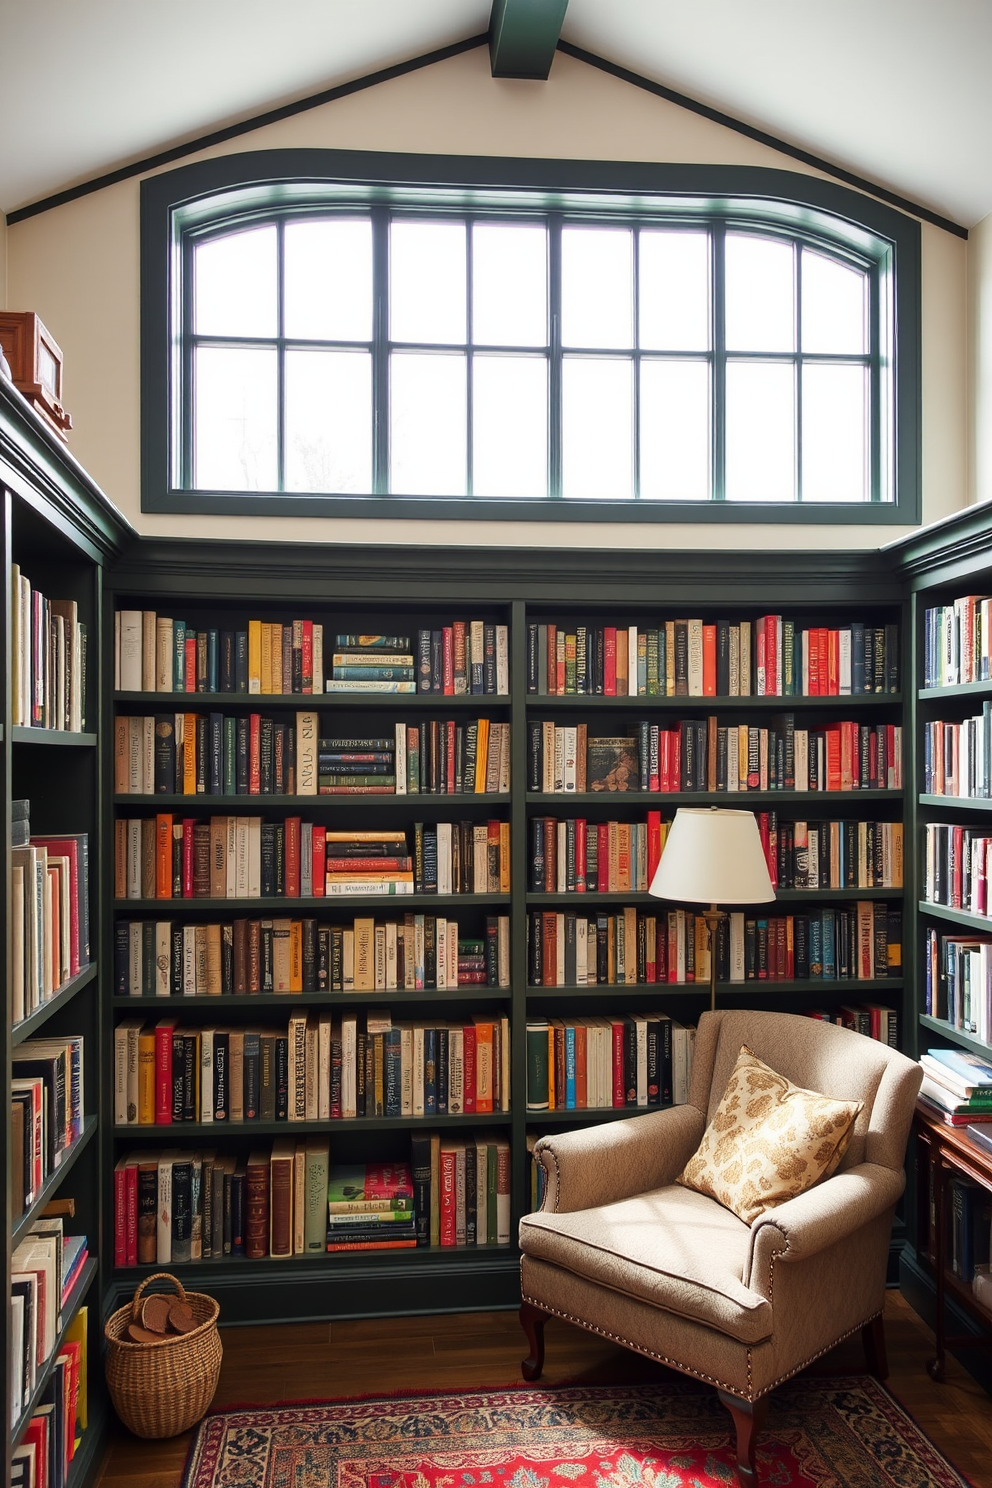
point(505, 350)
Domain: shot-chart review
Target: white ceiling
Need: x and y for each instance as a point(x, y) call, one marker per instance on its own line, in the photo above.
point(896, 90)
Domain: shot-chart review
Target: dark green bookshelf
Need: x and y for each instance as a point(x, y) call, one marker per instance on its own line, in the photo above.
point(218, 1129)
point(648, 703)
point(59, 738)
point(294, 805)
point(421, 902)
point(735, 800)
point(258, 702)
point(29, 1026)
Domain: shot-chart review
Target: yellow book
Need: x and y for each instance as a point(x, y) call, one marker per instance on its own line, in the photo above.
point(481, 756)
point(296, 955)
point(275, 642)
point(364, 955)
point(551, 1065)
point(254, 655)
point(266, 657)
point(78, 1332)
point(504, 857)
point(623, 856)
point(189, 754)
point(146, 1078)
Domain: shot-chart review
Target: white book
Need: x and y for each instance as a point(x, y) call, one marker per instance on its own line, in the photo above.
point(148, 619)
point(307, 731)
point(134, 858)
point(163, 957)
point(254, 857)
point(695, 667)
point(581, 950)
point(129, 650)
point(117, 648)
point(163, 1217)
point(318, 658)
point(190, 989)
point(417, 1093)
point(632, 661)
point(147, 786)
point(844, 663)
point(747, 685)
point(502, 661)
point(207, 1075)
point(456, 1071)
point(444, 857)
point(231, 856)
point(349, 1044)
point(18, 1392)
point(441, 935)
point(801, 755)
point(558, 765)
point(163, 654)
point(324, 1061)
point(569, 753)
point(400, 760)
point(306, 860)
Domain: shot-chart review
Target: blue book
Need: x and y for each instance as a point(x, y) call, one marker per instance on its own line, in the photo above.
point(569, 1067)
point(816, 946)
point(968, 1068)
point(213, 661)
point(430, 1071)
point(829, 945)
point(391, 1071)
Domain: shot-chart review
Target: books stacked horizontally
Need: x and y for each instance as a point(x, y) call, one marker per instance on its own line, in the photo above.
point(356, 767)
point(372, 663)
point(371, 1207)
point(957, 1086)
point(48, 656)
point(368, 863)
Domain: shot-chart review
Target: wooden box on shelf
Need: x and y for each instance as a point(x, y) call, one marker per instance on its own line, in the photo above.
point(35, 359)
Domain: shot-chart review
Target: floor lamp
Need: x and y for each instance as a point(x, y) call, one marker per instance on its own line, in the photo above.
point(713, 857)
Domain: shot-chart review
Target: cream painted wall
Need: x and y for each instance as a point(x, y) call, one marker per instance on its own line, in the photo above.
point(78, 267)
point(3, 262)
point(980, 360)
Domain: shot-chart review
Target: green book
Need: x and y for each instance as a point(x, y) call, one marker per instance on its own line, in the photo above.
point(318, 1162)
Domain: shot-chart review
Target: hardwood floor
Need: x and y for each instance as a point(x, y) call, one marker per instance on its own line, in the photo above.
point(312, 1361)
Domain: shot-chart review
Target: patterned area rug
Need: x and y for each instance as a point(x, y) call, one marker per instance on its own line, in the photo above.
point(821, 1433)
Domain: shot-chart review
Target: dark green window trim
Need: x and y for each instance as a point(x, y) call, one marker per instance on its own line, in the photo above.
point(252, 187)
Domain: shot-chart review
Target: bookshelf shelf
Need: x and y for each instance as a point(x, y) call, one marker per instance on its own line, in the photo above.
point(684, 704)
point(784, 896)
point(290, 1000)
point(741, 800)
point(30, 1025)
point(956, 803)
point(70, 1307)
point(416, 902)
point(192, 1272)
point(955, 916)
point(956, 1035)
point(764, 985)
point(217, 1129)
point(960, 690)
point(402, 702)
point(54, 1181)
point(294, 805)
point(57, 737)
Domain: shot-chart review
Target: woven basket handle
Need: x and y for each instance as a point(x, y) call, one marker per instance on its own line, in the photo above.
point(159, 1276)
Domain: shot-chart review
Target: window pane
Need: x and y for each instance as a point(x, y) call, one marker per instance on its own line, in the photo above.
point(329, 421)
point(834, 305)
point(597, 428)
point(761, 431)
point(675, 431)
point(835, 433)
point(235, 419)
point(596, 287)
point(328, 270)
point(509, 284)
point(235, 285)
point(674, 291)
point(509, 426)
point(427, 281)
point(760, 277)
point(427, 420)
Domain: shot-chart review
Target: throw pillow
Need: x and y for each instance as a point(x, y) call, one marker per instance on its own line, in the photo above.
point(768, 1141)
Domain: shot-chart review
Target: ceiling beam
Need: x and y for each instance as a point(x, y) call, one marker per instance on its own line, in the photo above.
point(523, 35)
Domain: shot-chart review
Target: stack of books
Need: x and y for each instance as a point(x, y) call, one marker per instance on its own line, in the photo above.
point(372, 663)
point(371, 1207)
point(368, 863)
point(356, 767)
point(957, 1086)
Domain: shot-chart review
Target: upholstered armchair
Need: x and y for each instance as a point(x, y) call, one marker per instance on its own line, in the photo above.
point(620, 1248)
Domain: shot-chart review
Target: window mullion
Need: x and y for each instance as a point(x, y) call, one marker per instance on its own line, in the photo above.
point(636, 360)
point(798, 383)
point(554, 357)
point(280, 355)
point(380, 351)
point(469, 368)
point(186, 472)
point(719, 361)
point(875, 391)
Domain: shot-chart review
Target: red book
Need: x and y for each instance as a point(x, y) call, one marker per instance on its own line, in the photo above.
point(709, 661)
point(671, 948)
point(307, 649)
point(188, 825)
point(131, 1213)
point(654, 845)
point(254, 754)
point(619, 1032)
point(190, 673)
point(550, 949)
point(468, 1066)
point(581, 853)
point(602, 857)
point(364, 865)
point(760, 660)
point(447, 1197)
point(610, 661)
point(450, 755)
point(163, 856)
point(448, 661)
point(771, 655)
point(292, 840)
point(37, 1434)
point(833, 662)
point(120, 1214)
point(552, 659)
point(319, 864)
point(163, 1071)
point(333, 1245)
point(832, 741)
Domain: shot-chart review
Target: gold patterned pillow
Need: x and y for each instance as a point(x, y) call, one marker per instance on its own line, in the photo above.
point(768, 1141)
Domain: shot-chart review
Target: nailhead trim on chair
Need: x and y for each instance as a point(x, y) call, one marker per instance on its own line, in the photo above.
point(696, 1373)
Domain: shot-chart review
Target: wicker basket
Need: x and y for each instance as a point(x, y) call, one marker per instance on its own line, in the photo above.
point(161, 1389)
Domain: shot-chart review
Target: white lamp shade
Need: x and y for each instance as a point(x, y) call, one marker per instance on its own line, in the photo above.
point(712, 856)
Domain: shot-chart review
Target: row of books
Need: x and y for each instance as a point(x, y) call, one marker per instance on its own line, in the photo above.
point(705, 755)
point(48, 659)
point(857, 942)
point(51, 1438)
point(958, 981)
point(957, 1086)
point(970, 1231)
point(625, 1060)
point(173, 1207)
point(246, 857)
point(574, 855)
point(49, 922)
point(957, 866)
point(957, 757)
point(957, 642)
point(868, 1018)
point(768, 657)
point(166, 958)
point(46, 1099)
point(157, 653)
point(256, 754)
point(318, 1067)
point(44, 1269)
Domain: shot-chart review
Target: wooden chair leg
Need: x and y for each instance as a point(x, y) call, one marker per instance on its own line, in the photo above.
point(532, 1320)
point(873, 1341)
point(749, 1417)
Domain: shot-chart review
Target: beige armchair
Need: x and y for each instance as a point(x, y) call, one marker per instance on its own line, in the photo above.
point(621, 1249)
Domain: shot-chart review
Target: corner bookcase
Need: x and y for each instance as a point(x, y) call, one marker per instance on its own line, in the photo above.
point(60, 532)
point(400, 591)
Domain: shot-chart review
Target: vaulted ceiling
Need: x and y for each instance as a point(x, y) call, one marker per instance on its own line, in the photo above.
point(896, 90)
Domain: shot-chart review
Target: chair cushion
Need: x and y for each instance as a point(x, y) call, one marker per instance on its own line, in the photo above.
point(671, 1248)
point(768, 1141)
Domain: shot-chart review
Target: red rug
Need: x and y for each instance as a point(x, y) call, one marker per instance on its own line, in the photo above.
point(821, 1433)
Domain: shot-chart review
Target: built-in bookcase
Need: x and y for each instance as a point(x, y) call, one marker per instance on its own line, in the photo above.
point(59, 531)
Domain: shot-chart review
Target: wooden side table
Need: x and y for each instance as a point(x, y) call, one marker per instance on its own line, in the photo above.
point(945, 1152)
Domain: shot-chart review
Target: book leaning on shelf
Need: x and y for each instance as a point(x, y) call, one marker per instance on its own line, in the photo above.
point(957, 641)
point(957, 757)
point(957, 1086)
point(46, 1111)
point(48, 659)
point(49, 923)
point(635, 1060)
point(155, 653)
point(958, 981)
point(956, 867)
point(318, 1067)
point(244, 857)
point(166, 958)
point(45, 1267)
point(857, 942)
point(705, 755)
point(768, 657)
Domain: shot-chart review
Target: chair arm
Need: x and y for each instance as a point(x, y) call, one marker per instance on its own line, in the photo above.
point(822, 1215)
point(618, 1159)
